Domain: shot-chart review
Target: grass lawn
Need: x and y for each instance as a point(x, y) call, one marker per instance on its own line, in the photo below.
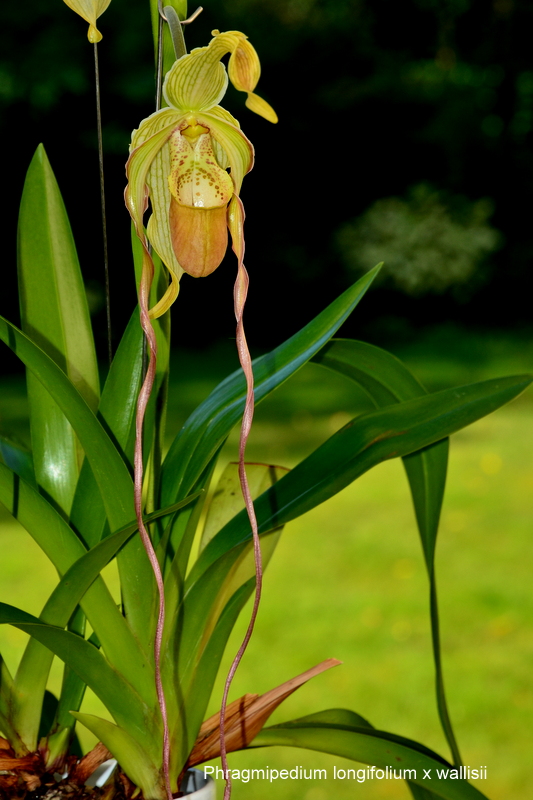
point(348, 578)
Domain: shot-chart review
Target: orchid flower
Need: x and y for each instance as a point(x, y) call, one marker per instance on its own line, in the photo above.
point(179, 156)
point(90, 10)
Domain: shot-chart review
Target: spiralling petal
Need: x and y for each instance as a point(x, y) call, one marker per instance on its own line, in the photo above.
point(89, 10)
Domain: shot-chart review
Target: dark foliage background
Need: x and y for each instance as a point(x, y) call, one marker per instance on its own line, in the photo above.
point(374, 97)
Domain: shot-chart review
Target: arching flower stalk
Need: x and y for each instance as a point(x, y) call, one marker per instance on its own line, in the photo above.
point(179, 160)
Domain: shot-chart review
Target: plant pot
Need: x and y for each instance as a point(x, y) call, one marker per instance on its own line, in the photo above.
point(195, 785)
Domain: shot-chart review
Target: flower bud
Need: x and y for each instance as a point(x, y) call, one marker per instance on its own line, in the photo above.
point(89, 10)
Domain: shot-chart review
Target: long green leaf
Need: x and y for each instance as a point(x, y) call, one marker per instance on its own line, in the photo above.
point(205, 602)
point(55, 315)
point(198, 692)
point(109, 469)
point(366, 441)
point(6, 704)
point(116, 412)
point(138, 763)
point(34, 668)
point(387, 380)
point(227, 500)
point(32, 674)
point(119, 697)
point(196, 619)
point(17, 458)
point(63, 547)
point(209, 425)
point(383, 750)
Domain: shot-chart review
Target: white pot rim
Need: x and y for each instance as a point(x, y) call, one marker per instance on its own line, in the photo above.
point(195, 784)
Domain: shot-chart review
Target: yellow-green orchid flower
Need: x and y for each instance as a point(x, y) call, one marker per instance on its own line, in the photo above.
point(90, 10)
point(179, 157)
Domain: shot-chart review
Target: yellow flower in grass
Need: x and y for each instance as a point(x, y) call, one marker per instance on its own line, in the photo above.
point(90, 10)
point(179, 160)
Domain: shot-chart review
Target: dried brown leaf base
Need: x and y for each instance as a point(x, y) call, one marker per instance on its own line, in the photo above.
point(14, 786)
point(27, 778)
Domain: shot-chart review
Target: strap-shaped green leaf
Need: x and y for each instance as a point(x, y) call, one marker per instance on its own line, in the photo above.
point(54, 313)
point(366, 441)
point(139, 764)
point(420, 792)
point(117, 414)
point(116, 411)
point(119, 697)
point(36, 661)
point(196, 619)
point(62, 546)
point(209, 425)
point(17, 458)
point(199, 689)
point(6, 705)
point(333, 732)
point(386, 380)
point(109, 469)
point(205, 602)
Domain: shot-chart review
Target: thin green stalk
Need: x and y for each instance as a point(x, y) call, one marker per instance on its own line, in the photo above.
point(102, 200)
point(176, 31)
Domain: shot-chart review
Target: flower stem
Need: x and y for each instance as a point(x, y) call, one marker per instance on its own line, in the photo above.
point(102, 200)
point(236, 217)
point(142, 402)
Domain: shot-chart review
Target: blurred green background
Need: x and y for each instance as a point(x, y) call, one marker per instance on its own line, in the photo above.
point(405, 134)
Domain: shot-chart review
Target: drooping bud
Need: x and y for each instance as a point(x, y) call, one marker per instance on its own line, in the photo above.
point(89, 10)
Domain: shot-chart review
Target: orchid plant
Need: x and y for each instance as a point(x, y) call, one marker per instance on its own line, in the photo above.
point(100, 472)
